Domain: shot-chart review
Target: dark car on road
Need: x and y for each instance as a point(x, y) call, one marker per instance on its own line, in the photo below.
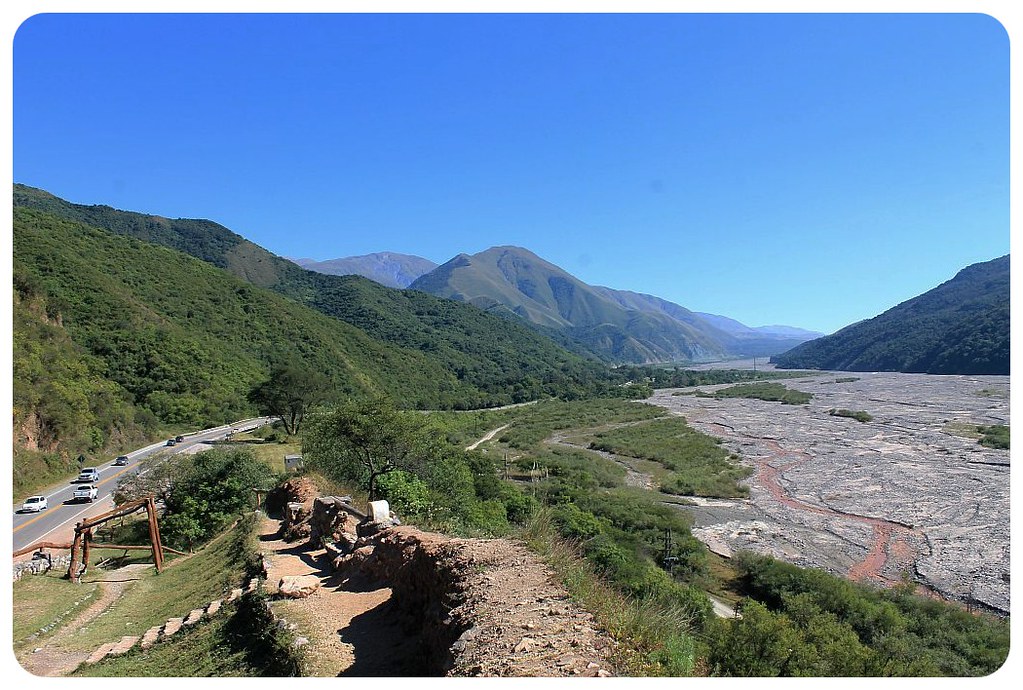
point(121, 460)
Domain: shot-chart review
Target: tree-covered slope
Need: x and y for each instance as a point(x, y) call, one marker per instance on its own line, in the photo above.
point(495, 356)
point(183, 340)
point(959, 327)
point(62, 399)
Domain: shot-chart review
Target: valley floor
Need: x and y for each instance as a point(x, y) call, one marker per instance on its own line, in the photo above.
point(909, 492)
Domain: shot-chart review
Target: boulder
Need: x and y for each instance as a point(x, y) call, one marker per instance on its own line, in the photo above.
point(298, 586)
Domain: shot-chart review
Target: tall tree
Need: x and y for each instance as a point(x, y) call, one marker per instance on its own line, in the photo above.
point(288, 394)
point(364, 441)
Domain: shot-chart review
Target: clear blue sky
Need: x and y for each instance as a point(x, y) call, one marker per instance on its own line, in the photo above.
point(811, 170)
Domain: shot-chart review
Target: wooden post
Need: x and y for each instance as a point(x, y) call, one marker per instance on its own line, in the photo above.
point(76, 545)
point(86, 543)
point(259, 497)
point(154, 534)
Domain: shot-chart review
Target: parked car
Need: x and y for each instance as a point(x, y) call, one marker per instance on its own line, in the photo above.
point(34, 504)
point(89, 474)
point(86, 492)
point(171, 442)
point(121, 460)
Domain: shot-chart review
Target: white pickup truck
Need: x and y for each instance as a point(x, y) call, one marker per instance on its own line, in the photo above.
point(86, 492)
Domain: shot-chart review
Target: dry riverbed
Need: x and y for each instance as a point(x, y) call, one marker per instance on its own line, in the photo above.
point(902, 493)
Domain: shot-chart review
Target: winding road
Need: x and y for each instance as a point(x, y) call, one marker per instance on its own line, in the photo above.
point(29, 528)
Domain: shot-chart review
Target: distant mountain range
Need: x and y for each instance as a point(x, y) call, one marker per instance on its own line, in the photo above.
point(959, 327)
point(125, 322)
point(614, 325)
point(387, 268)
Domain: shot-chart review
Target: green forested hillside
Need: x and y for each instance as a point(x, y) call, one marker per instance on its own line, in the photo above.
point(959, 327)
point(176, 338)
point(61, 396)
point(501, 359)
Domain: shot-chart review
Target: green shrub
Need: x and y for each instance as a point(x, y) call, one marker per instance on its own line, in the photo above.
point(858, 415)
point(408, 495)
point(209, 490)
point(995, 436)
point(765, 391)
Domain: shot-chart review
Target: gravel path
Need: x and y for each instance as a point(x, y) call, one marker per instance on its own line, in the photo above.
point(488, 437)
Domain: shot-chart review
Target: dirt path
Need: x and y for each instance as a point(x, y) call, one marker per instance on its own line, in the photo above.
point(632, 476)
point(490, 435)
point(351, 630)
point(53, 658)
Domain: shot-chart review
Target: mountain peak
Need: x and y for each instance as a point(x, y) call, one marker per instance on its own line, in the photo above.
point(616, 325)
point(387, 268)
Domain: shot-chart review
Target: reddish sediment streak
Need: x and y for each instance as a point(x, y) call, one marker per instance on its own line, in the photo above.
point(891, 541)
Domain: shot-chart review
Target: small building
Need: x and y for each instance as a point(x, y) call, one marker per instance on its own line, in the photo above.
point(292, 463)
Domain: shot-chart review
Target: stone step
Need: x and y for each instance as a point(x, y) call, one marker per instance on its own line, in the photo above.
point(100, 653)
point(214, 607)
point(253, 583)
point(194, 616)
point(235, 593)
point(172, 626)
point(125, 644)
point(151, 636)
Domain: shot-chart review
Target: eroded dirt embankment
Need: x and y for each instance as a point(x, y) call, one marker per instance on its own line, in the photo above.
point(481, 607)
point(395, 600)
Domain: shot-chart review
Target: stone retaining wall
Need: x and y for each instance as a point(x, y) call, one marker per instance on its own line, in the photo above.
point(38, 566)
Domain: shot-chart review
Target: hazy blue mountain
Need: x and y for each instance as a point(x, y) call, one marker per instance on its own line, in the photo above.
point(788, 331)
point(959, 327)
point(737, 328)
point(759, 341)
point(514, 280)
point(616, 325)
point(387, 268)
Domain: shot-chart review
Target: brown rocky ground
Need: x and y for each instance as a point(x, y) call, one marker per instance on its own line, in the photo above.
point(486, 607)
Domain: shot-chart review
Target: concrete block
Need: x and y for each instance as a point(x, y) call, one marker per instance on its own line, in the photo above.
point(379, 511)
point(151, 636)
point(124, 644)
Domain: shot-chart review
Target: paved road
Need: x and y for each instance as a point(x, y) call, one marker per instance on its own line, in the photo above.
point(32, 527)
